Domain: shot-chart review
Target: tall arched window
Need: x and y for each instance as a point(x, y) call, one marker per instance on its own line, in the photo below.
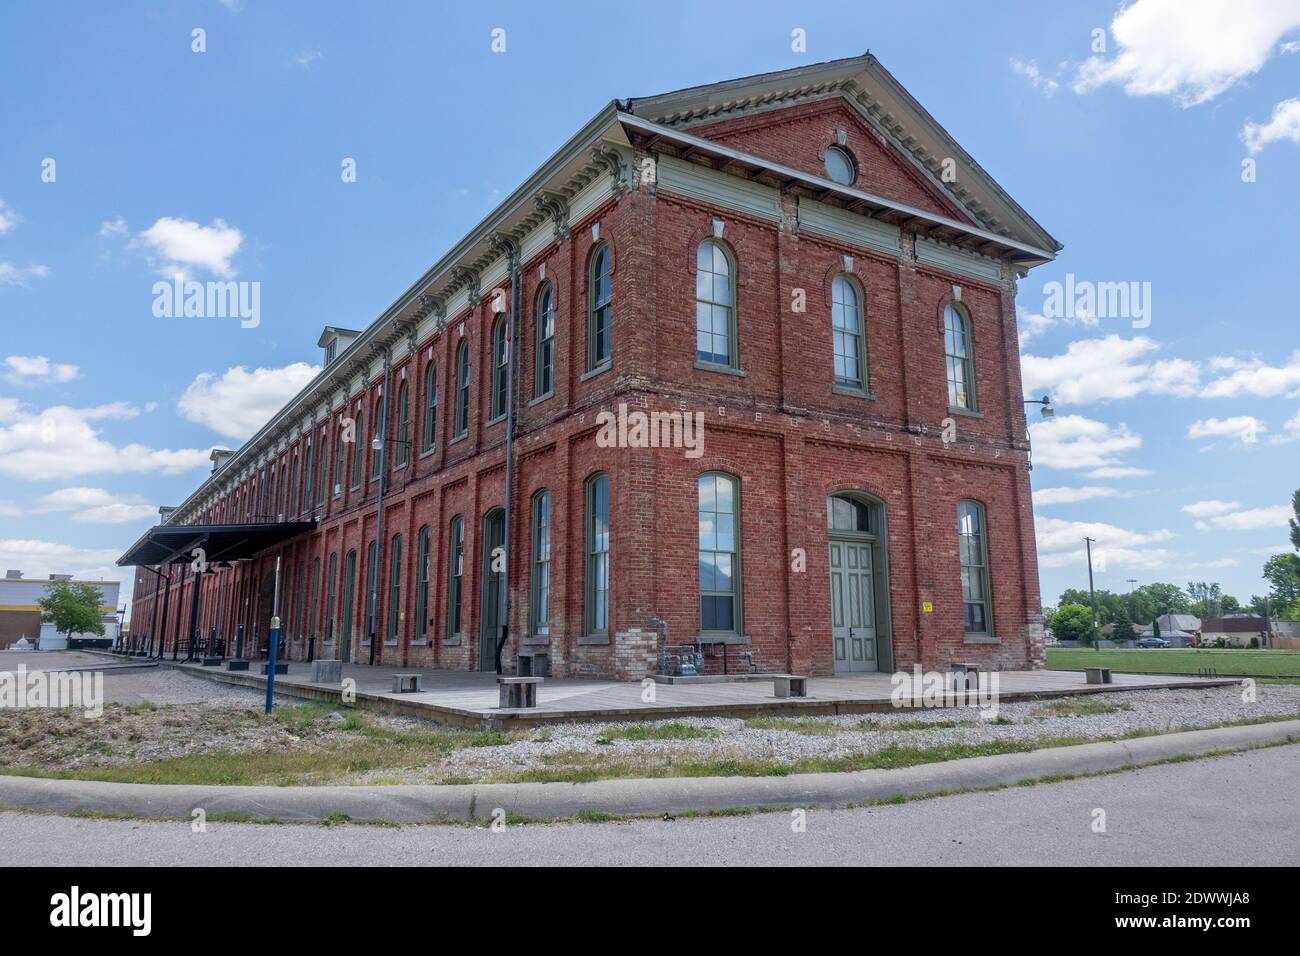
point(958, 358)
point(422, 584)
point(846, 332)
point(544, 361)
point(719, 553)
point(462, 389)
point(715, 304)
point(381, 416)
point(430, 405)
point(599, 309)
point(308, 476)
point(402, 447)
point(540, 583)
point(323, 464)
point(331, 595)
point(358, 450)
point(973, 548)
point(596, 613)
point(394, 588)
point(455, 575)
point(499, 368)
point(370, 625)
point(340, 458)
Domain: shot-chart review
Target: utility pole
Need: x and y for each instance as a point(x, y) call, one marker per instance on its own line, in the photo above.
point(1096, 642)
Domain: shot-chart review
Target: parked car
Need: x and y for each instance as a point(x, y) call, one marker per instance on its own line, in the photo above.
point(1153, 642)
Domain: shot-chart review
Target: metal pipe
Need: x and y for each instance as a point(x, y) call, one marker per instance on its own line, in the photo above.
point(513, 248)
point(273, 645)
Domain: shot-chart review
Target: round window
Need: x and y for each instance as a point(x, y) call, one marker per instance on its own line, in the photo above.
point(839, 166)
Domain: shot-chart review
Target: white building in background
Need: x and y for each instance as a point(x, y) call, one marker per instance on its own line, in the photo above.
point(20, 611)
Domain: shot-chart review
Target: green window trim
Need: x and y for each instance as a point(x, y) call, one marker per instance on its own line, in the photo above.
point(959, 358)
point(973, 555)
point(597, 577)
point(600, 312)
point(719, 560)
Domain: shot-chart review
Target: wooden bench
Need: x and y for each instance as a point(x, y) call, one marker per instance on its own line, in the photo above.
point(789, 685)
point(1097, 675)
point(518, 692)
point(407, 683)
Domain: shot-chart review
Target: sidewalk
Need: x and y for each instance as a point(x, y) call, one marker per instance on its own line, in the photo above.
point(626, 797)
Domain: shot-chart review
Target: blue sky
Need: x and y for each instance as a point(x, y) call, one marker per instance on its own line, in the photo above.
point(1175, 442)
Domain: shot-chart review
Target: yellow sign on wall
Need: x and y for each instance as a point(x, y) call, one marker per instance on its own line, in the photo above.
point(927, 606)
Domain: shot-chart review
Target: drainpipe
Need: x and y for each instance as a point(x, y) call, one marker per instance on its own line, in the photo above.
point(379, 515)
point(512, 250)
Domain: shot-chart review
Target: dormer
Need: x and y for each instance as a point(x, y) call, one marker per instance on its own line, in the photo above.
point(334, 341)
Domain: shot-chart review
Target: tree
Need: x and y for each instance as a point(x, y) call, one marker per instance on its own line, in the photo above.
point(72, 607)
point(1123, 630)
point(1282, 571)
point(1295, 522)
point(1155, 628)
point(1165, 599)
point(1073, 622)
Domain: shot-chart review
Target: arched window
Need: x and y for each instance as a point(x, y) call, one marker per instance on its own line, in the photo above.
point(394, 588)
point(846, 332)
point(314, 615)
point(323, 464)
point(540, 583)
point(544, 361)
point(599, 310)
point(358, 450)
point(340, 458)
point(840, 166)
point(499, 368)
point(973, 549)
point(596, 605)
point(346, 622)
point(331, 595)
point(402, 447)
point(422, 584)
point(847, 514)
point(958, 357)
point(308, 476)
point(462, 389)
point(430, 405)
point(455, 574)
point(370, 625)
point(719, 553)
point(381, 417)
point(715, 304)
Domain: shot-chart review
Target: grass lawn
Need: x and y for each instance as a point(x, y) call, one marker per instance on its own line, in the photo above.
point(1178, 660)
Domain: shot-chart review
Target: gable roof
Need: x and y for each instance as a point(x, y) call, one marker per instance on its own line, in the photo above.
point(883, 104)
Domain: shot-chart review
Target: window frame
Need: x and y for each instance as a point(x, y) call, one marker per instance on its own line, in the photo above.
point(967, 361)
point(424, 553)
point(394, 589)
point(402, 452)
point(499, 360)
point(595, 557)
point(372, 590)
point(539, 582)
point(455, 577)
point(380, 413)
point(600, 253)
point(737, 605)
point(544, 320)
point(733, 335)
point(430, 430)
point(849, 161)
point(982, 535)
point(863, 382)
point(460, 420)
point(358, 451)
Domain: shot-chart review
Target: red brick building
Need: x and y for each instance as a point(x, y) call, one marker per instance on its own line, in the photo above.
point(807, 262)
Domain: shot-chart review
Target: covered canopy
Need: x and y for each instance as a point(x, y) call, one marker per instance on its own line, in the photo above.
point(174, 544)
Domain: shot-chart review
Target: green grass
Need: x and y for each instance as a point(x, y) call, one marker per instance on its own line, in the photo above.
point(1228, 662)
point(672, 730)
point(809, 726)
point(1080, 706)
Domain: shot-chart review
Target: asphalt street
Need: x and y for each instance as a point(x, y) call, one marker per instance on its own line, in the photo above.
point(1236, 810)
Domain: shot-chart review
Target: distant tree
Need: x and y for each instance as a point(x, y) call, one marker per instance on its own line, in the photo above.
point(1230, 605)
point(1282, 571)
point(72, 607)
point(1073, 622)
point(1165, 599)
point(1295, 522)
point(1123, 630)
point(1155, 628)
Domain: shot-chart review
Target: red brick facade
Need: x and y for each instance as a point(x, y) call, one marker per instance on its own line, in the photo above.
point(780, 427)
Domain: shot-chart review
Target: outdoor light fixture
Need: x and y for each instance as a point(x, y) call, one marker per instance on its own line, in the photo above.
point(378, 443)
point(1047, 410)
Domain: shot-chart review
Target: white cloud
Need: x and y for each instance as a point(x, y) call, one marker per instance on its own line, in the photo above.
point(1251, 519)
point(8, 218)
point(95, 506)
point(1189, 50)
point(1254, 377)
point(1061, 543)
point(1072, 441)
point(180, 245)
point(63, 442)
point(1029, 69)
point(306, 58)
point(39, 559)
point(112, 228)
point(1212, 506)
point(1031, 324)
point(37, 370)
point(1065, 496)
point(1291, 46)
point(11, 274)
point(1112, 472)
point(11, 509)
point(1246, 429)
point(239, 402)
point(1110, 367)
point(1283, 124)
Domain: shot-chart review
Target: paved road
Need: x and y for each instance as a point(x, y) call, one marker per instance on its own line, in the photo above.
point(1237, 810)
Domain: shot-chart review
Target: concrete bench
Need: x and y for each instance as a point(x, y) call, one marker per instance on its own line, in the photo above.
point(211, 662)
point(789, 685)
point(1097, 675)
point(280, 668)
point(237, 665)
point(326, 671)
point(407, 683)
point(518, 692)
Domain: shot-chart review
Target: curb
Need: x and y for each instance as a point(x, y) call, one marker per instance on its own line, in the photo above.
point(624, 797)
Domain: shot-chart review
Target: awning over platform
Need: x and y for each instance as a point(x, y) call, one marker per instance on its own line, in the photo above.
point(174, 544)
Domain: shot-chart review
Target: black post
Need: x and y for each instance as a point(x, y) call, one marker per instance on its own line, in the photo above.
point(239, 641)
point(194, 614)
point(162, 635)
point(1096, 640)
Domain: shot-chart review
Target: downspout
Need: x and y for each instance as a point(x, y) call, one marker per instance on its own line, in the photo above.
point(379, 515)
point(512, 250)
